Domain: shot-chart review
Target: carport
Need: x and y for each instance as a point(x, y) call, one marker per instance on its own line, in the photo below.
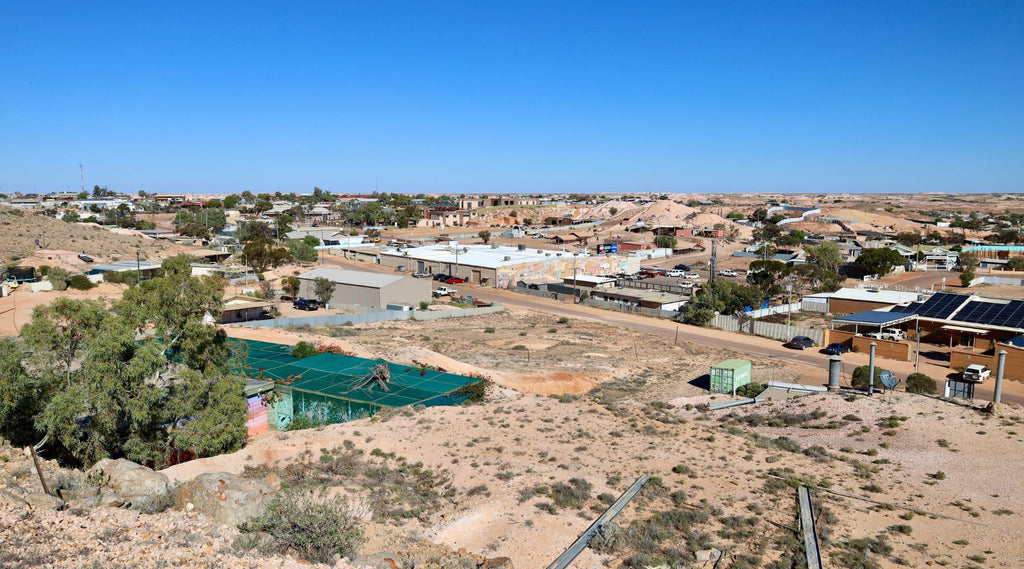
point(874, 319)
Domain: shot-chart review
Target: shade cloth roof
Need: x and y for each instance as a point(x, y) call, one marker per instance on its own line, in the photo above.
point(336, 375)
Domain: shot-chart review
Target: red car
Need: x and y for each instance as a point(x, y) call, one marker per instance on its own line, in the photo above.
point(454, 280)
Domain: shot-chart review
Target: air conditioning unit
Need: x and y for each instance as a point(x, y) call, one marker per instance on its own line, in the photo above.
point(507, 258)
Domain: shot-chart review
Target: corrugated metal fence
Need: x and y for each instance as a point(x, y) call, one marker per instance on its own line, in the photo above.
point(379, 316)
point(765, 329)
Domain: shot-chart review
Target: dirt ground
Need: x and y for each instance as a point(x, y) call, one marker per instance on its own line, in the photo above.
point(920, 456)
point(30, 236)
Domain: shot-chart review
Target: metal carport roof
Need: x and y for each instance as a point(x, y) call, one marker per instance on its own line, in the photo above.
point(874, 318)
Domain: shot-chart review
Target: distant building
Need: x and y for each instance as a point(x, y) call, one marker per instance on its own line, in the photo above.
point(360, 289)
point(502, 266)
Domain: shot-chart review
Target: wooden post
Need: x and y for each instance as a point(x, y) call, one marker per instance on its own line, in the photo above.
point(39, 471)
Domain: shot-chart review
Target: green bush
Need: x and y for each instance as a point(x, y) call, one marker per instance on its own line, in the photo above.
point(860, 377)
point(80, 282)
point(572, 495)
point(750, 390)
point(317, 527)
point(304, 350)
point(301, 422)
point(920, 383)
point(58, 278)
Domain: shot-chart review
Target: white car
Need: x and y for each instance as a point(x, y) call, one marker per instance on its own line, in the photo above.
point(691, 275)
point(977, 373)
point(674, 273)
point(728, 273)
point(687, 284)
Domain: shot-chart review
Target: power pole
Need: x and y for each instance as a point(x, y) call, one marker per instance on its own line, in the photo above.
point(81, 172)
point(714, 260)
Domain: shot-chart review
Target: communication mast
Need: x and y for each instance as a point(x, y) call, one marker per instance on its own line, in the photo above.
point(81, 172)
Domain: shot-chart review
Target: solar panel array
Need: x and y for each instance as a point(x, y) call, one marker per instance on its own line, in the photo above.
point(1010, 315)
point(941, 305)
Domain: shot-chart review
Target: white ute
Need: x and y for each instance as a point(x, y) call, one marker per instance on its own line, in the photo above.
point(444, 291)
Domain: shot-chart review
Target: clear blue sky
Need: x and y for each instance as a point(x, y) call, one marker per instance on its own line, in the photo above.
point(546, 96)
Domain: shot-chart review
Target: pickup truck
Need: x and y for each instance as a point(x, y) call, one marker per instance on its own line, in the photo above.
point(444, 291)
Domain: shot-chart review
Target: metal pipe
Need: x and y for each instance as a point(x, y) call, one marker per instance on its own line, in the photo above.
point(997, 397)
point(871, 369)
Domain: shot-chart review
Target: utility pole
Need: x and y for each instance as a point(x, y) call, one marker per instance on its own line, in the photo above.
point(138, 269)
point(574, 284)
point(714, 260)
point(81, 172)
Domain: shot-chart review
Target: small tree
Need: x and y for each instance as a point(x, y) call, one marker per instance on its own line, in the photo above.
point(290, 285)
point(1015, 264)
point(665, 241)
point(968, 266)
point(485, 236)
point(323, 289)
point(613, 210)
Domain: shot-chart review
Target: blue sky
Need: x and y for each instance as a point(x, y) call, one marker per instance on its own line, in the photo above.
point(513, 97)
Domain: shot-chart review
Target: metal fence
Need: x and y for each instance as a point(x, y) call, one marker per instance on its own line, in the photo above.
point(814, 305)
point(765, 329)
point(378, 316)
point(628, 307)
point(782, 308)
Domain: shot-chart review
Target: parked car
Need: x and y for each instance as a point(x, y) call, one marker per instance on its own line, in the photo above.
point(444, 291)
point(976, 373)
point(422, 275)
point(835, 348)
point(728, 273)
point(800, 343)
point(306, 304)
point(682, 267)
point(686, 284)
point(441, 277)
point(454, 280)
point(674, 273)
point(894, 334)
point(691, 275)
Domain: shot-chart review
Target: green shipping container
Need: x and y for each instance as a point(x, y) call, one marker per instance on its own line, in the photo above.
point(729, 375)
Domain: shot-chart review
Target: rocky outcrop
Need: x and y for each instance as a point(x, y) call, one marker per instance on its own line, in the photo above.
point(125, 484)
point(227, 498)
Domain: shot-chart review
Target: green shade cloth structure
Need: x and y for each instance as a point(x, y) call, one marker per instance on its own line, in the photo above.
point(323, 387)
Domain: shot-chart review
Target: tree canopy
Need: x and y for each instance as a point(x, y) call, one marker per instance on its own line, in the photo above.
point(141, 380)
point(878, 261)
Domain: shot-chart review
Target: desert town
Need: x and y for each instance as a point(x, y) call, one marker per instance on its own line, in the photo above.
point(489, 380)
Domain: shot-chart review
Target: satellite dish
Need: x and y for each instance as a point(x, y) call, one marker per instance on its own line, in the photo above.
point(889, 379)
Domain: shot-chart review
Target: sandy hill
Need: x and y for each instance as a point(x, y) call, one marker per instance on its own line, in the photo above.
point(19, 232)
point(877, 220)
point(526, 474)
